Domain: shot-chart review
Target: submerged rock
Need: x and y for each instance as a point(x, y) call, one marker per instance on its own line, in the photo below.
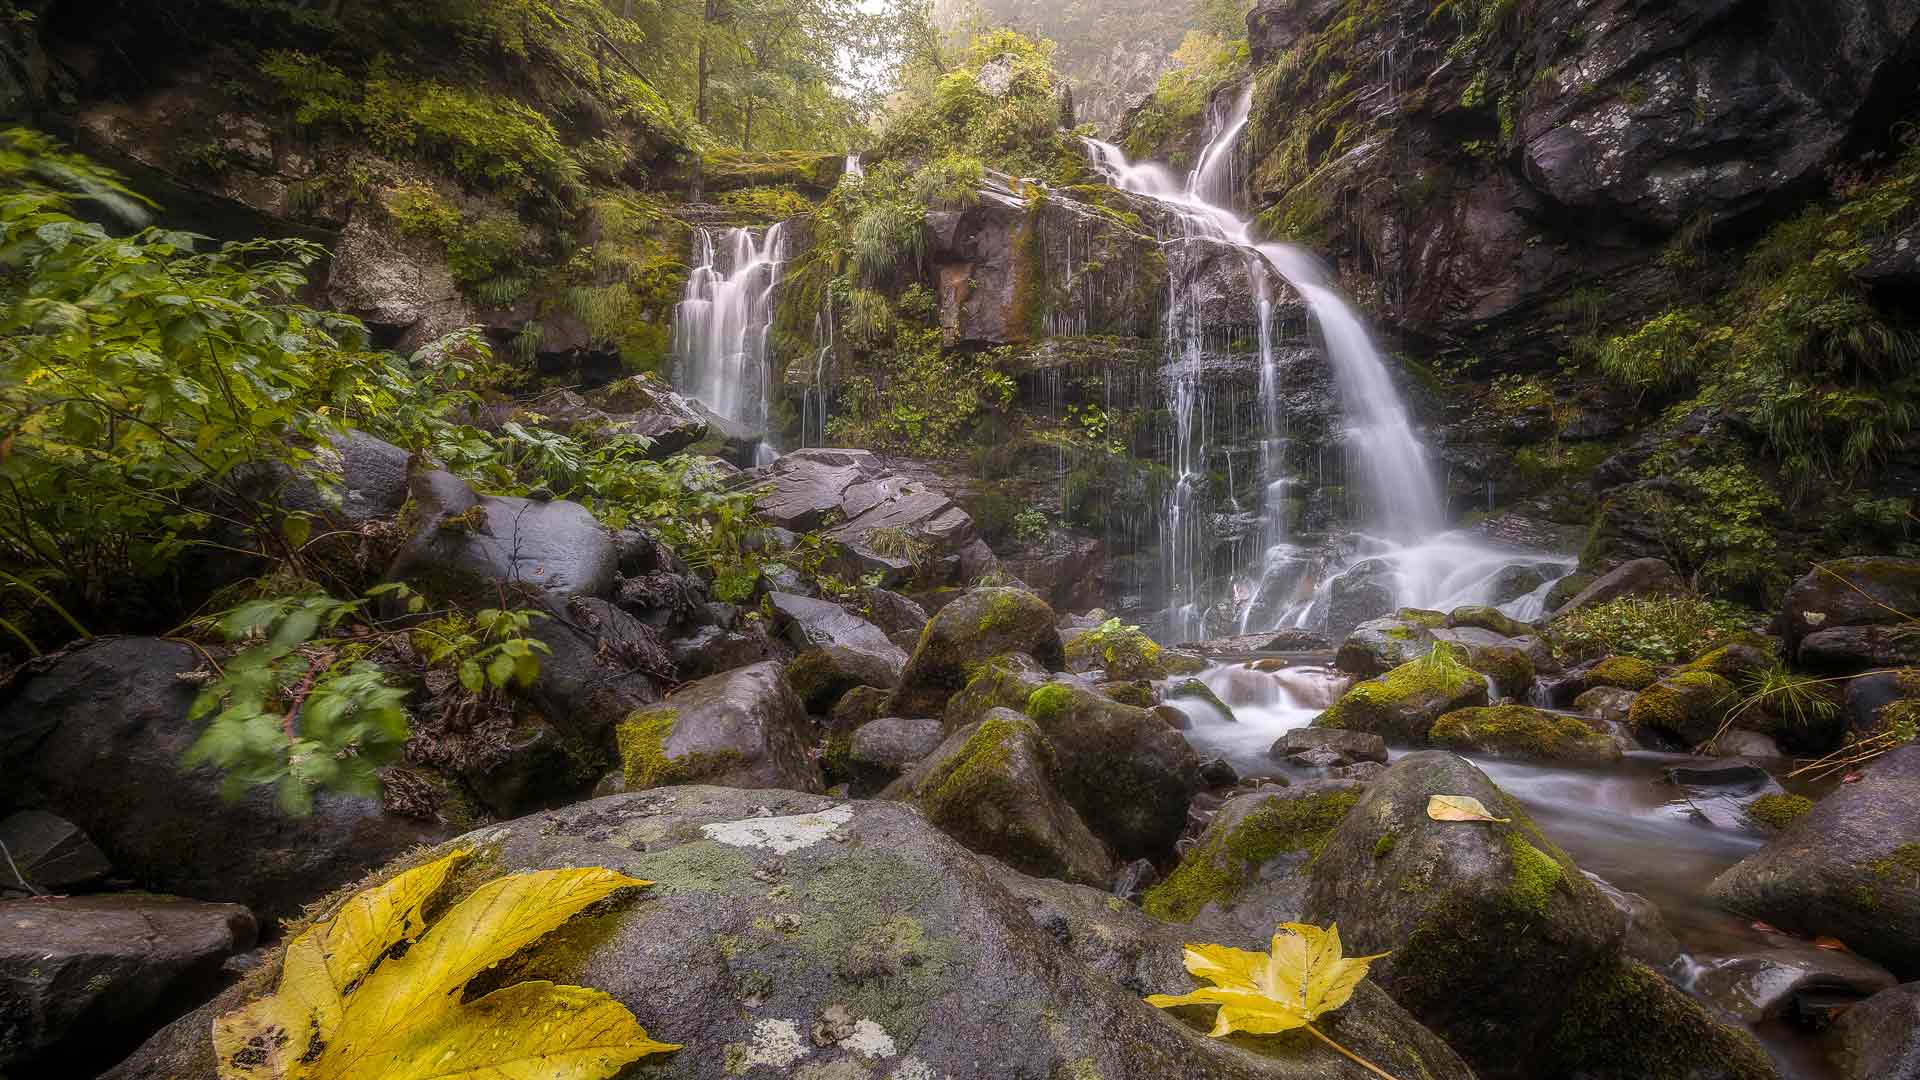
point(1848, 868)
point(775, 912)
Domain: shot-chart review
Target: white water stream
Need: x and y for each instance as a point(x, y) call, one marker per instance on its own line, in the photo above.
point(1428, 566)
point(721, 328)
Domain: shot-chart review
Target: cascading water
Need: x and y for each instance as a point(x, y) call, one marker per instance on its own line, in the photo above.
point(1403, 503)
point(722, 327)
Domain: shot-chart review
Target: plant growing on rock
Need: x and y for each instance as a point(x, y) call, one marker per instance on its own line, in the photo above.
point(377, 991)
point(1660, 629)
point(1303, 978)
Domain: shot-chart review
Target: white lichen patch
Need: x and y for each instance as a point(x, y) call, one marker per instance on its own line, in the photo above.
point(776, 1044)
point(914, 1069)
point(869, 1040)
point(782, 836)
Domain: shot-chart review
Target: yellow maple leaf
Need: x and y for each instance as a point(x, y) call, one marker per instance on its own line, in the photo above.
point(1461, 808)
point(348, 1007)
point(1302, 979)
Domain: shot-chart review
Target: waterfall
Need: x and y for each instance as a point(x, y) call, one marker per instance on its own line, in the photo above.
point(722, 327)
point(1401, 500)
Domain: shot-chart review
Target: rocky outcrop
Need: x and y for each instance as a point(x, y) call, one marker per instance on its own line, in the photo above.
point(83, 977)
point(881, 947)
point(1849, 868)
point(97, 736)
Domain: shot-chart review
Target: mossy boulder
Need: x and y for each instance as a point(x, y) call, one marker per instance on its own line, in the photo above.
point(1380, 645)
point(1004, 682)
point(1126, 653)
point(1195, 690)
point(1491, 920)
point(774, 910)
point(990, 787)
point(1733, 662)
point(971, 630)
point(1622, 673)
point(858, 706)
point(1482, 617)
point(824, 675)
point(744, 728)
point(1848, 868)
point(1139, 693)
point(1243, 877)
point(1510, 668)
point(1516, 731)
point(1626, 1022)
point(1129, 774)
point(1688, 708)
point(1402, 705)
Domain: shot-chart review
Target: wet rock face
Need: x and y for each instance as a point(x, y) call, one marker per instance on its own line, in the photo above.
point(977, 627)
point(97, 737)
point(1849, 868)
point(1876, 1038)
point(794, 935)
point(81, 976)
point(1830, 617)
point(744, 728)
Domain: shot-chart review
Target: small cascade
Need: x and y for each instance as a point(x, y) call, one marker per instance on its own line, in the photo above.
point(1398, 499)
point(722, 327)
point(855, 167)
point(818, 396)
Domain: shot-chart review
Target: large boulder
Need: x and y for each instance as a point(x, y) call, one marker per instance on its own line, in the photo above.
point(990, 787)
point(1402, 705)
point(1490, 920)
point(977, 627)
point(97, 735)
point(1688, 708)
point(1367, 591)
point(744, 728)
point(1379, 645)
point(825, 675)
point(1871, 591)
point(47, 853)
point(1875, 1040)
point(1004, 682)
point(1129, 774)
point(1849, 868)
point(365, 477)
point(1848, 649)
point(1516, 731)
point(83, 978)
point(467, 547)
point(640, 405)
point(790, 934)
point(1640, 577)
point(841, 650)
point(1244, 875)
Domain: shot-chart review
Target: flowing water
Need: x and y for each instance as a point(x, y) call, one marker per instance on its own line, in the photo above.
point(722, 327)
point(1401, 503)
point(1621, 823)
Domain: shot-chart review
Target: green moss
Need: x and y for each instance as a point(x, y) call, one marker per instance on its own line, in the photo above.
point(1194, 688)
point(1514, 728)
point(1624, 1020)
point(1624, 673)
point(980, 761)
point(1536, 875)
point(1125, 652)
point(1227, 859)
point(642, 742)
point(1779, 811)
point(1138, 695)
point(1384, 846)
point(1371, 706)
point(1050, 703)
point(1432, 620)
point(1903, 863)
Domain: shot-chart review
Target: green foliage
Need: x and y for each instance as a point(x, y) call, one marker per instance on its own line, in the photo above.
point(950, 183)
point(480, 248)
point(1668, 351)
point(1713, 521)
point(1203, 64)
point(947, 113)
point(767, 203)
point(914, 399)
point(295, 716)
point(1660, 629)
point(1030, 527)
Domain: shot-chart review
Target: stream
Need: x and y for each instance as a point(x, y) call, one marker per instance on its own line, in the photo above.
point(1622, 823)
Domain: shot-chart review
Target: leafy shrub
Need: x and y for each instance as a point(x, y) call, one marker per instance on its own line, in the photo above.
point(1660, 629)
point(1666, 351)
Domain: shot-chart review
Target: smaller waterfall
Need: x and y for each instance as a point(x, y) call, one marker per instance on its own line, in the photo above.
point(818, 397)
point(721, 329)
point(855, 168)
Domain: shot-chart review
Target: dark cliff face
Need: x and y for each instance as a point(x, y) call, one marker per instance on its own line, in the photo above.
point(1479, 165)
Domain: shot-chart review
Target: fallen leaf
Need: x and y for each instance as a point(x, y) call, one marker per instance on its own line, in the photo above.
point(1765, 928)
point(1830, 944)
point(1303, 978)
point(347, 1006)
point(1460, 808)
point(1851, 778)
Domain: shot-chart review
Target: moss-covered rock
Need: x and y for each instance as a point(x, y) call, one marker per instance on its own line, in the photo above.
point(1402, 705)
point(1510, 668)
point(1197, 690)
point(1380, 645)
point(1126, 653)
point(1567, 588)
point(1777, 811)
point(1128, 773)
point(1626, 1022)
point(1243, 876)
point(1138, 693)
point(1516, 731)
point(741, 729)
point(1874, 1039)
point(1689, 707)
point(822, 676)
point(990, 787)
point(1869, 591)
point(1622, 673)
point(971, 630)
point(859, 706)
point(1482, 617)
point(1732, 661)
point(1004, 682)
point(1848, 868)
